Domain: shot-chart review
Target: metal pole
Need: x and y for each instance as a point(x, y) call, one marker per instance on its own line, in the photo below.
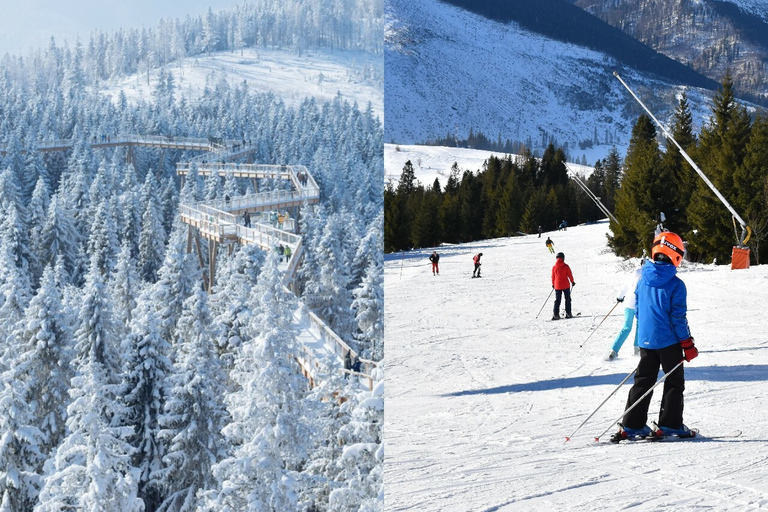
point(662, 379)
point(568, 438)
point(744, 228)
point(545, 302)
point(598, 325)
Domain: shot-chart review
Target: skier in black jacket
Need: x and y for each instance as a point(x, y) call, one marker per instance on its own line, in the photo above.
point(434, 258)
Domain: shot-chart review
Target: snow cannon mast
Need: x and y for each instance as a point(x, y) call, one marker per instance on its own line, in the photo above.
point(746, 232)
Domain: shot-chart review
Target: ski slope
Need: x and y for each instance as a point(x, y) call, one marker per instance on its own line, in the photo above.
point(481, 393)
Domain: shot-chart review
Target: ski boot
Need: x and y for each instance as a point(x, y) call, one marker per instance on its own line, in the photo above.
point(683, 432)
point(556, 316)
point(611, 355)
point(568, 315)
point(631, 434)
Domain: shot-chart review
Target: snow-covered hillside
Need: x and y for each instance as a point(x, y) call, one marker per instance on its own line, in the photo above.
point(435, 162)
point(321, 74)
point(448, 70)
point(481, 393)
point(756, 7)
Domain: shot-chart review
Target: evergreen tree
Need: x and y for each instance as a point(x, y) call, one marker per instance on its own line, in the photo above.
point(91, 470)
point(723, 144)
point(361, 461)
point(685, 176)
point(266, 409)
point(751, 184)
point(194, 413)
point(152, 237)
point(644, 192)
point(146, 367)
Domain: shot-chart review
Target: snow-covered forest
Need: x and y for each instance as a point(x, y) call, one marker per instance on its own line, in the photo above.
point(123, 384)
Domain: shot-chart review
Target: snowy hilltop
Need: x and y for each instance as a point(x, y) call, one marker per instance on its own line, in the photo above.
point(482, 392)
point(449, 71)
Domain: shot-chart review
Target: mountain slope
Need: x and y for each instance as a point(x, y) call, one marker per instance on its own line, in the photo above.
point(710, 36)
point(557, 19)
point(449, 71)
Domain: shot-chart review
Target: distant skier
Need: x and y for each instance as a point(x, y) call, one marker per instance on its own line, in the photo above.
point(563, 226)
point(627, 297)
point(434, 258)
point(539, 231)
point(664, 339)
point(476, 260)
point(562, 280)
point(550, 245)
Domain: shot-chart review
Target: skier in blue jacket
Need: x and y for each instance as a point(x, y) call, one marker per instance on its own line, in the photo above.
point(664, 340)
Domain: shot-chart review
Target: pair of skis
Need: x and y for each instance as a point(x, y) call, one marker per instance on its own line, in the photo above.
point(657, 436)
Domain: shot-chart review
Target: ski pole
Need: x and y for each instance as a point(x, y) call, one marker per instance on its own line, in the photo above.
point(662, 379)
point(598, 325)
point(568, 438)
point(545, 303)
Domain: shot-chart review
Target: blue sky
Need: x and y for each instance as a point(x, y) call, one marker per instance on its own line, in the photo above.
point(26, 24)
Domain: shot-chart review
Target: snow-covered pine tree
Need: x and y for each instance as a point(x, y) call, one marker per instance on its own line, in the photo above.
point(369, 311)
point(142, 393)
point(362, 460)
point(152, 236)
point(124, 287)
point(177, 280)
point(44, 363)
point(267, 418)
point(91, 469)
point(194, 413)
point(95, 335)
point(229, 302)
point(60, 238)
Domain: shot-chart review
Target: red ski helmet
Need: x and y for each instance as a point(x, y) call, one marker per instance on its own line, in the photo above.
point(670, 245)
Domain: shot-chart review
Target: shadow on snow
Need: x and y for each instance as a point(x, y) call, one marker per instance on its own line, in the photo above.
point(744, 373)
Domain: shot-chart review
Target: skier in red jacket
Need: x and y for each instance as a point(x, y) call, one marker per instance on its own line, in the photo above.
point(562, 280)
point(476, 260)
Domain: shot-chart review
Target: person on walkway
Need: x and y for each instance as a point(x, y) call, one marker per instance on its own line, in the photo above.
point(476, 260)
point(281, 251)
point(247, 219)
point(664, 339)
point(539, 231)
point(347, 363)
point(287, 253)
point(627, 296)
point(550, 245)
point(562, 281)
point(434, 258)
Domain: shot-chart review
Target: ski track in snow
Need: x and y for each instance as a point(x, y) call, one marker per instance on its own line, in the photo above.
point(481, 394)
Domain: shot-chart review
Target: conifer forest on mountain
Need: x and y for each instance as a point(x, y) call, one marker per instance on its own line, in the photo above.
point(125, 384)
point(518, 193)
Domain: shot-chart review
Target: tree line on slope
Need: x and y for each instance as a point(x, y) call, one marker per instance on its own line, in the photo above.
point(512, 196)
point(509, 196)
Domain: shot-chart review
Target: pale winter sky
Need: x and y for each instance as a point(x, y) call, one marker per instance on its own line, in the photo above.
point(26, 24)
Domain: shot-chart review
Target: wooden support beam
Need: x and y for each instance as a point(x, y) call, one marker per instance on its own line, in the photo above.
point(213, 250)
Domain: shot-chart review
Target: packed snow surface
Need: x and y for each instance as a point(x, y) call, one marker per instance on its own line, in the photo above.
point(482, 390)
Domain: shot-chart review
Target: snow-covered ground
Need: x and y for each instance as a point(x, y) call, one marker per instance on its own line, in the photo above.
point(357, 75)
point(430, 162)
point(481, 393)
